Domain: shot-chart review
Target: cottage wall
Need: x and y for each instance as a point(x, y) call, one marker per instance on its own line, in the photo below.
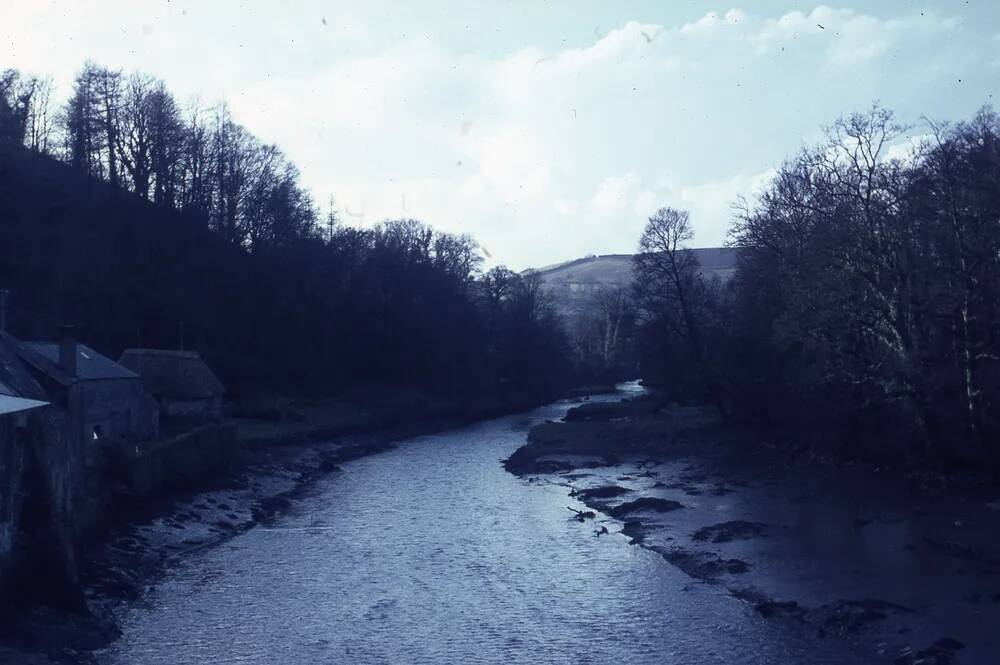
point(11, 495)
point(74, 466)
point(121, 408)
point(64, 463)
point(40, 450)
point(176, 461)
point(55, 469)
point(74, 483)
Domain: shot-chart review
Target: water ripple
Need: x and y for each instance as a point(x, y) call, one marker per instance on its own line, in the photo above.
point(431, 553)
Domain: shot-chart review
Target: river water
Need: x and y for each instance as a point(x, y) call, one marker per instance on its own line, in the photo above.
point(432, 553)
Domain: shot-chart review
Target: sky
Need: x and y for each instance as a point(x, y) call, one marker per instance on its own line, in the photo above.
point(547, 130)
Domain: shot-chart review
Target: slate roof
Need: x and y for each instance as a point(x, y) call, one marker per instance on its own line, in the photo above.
point(15, 378)
point(90, 365)
point(175, 374)
point(18, 389)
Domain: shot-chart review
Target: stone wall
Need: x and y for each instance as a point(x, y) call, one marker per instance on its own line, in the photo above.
point(177, 461)
point(122, 407)
point(40, 481)
point(64, 460)
point(58, 483)
point(11, 496)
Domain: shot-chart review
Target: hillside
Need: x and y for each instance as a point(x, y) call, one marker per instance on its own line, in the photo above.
point(73, 249)
point(572, 283)
point(298, 311)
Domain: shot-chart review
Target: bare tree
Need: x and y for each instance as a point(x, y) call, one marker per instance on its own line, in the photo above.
point(136, 139)
point(81, 124)
point(666, 272)
point(195, 161)
point(107, 101)
point(40, 128)
point(15, 104)
point(615, 309)
point(230, 153)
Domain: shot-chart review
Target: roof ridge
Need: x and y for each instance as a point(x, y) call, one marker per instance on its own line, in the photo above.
point(88, 369)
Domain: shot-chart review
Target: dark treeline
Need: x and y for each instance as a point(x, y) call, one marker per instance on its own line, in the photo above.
point(864, 316)
point(602, 337)
point(150, 225)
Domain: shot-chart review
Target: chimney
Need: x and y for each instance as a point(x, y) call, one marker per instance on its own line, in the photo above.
point(67, 350)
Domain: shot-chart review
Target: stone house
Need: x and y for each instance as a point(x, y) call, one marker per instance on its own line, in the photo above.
point(97, 407)
point(186, 388)
point(103, 399)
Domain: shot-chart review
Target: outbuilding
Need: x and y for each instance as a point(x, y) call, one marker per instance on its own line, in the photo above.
point(182, 383)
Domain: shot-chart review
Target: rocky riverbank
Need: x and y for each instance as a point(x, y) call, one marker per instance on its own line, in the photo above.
point(281, 455)
point(902, 562)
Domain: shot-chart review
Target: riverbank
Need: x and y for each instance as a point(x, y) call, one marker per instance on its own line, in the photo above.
point(282, 453)
point(433, 553)
point(900, 562)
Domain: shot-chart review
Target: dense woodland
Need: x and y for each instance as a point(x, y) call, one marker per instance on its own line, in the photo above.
point(864, 317)
point(602, 337)
point(148, 223)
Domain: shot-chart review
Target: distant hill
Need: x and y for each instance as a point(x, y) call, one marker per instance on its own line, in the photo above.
point(571, 283)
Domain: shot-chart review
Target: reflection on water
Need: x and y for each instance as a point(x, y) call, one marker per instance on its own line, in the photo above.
point(431, 553)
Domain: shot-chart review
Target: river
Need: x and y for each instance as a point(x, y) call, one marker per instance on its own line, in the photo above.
point(432, 553)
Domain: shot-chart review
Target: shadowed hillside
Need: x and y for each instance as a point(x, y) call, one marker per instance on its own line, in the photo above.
point(75, 249)
point(573, 283)
point(398, 304)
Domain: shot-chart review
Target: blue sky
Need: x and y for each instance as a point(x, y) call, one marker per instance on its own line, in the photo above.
point(548, 130)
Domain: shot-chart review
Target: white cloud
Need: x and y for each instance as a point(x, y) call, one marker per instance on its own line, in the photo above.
point(906, 149)
point(358, 94)
point(616, 194)
point(624, 203)
point(512, 161)
point(576, 147)
point(711, 203)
